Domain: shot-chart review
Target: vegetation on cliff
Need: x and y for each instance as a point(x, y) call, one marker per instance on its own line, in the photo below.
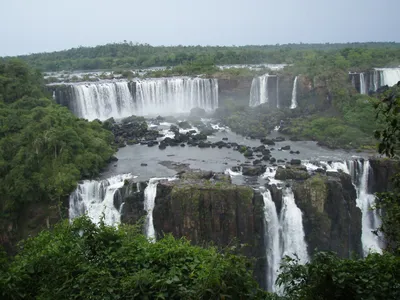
point(44, 148)
point(85, 261)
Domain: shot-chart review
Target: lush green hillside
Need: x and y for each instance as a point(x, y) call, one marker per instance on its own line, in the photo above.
point(44, 148)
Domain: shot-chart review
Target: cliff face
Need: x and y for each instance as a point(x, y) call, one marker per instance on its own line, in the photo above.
point(332, 222)
point(382, 172)
point(132, 201)
point(216, 213)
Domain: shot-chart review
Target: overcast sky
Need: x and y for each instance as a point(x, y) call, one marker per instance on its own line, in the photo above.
point(29, 26)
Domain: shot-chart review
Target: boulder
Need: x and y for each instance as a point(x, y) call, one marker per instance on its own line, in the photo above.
point(268, 142)
point(248, 170)
point(291, 173)
point(295, 162)
point(184, 125)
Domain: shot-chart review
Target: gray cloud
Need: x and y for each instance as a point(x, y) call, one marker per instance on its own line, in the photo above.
point(28, 26)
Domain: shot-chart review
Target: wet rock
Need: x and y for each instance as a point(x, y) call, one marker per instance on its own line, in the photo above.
point(253, 170)
point(143, 164)
point(286, 147)
point(279, 139)
point(183, 145)
point(291, 173)
point(248, 153)
point(295, 162)
point(257, 162)
point(272, 160)
point(162, 146)
point(174, 129)
point(224, 138)
point(268, 142)
point(184, 125)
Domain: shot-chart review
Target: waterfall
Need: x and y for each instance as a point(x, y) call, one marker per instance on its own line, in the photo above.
point(273, 251)
point(103, 100)
point(294, 94)
point(259, 90)
point(150, 194)
point(97, 198)
point(370, 218)
point(284, 234)
point(176, 95)
point(390, 76)
point(363, 89)
point(292, 228)
point(278, 105)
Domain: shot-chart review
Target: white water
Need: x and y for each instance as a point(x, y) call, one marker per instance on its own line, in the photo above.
point(278, 105)
point(284, 235)
point(389, 76)
point(176, 95)
point(293, 105)
point(95, 198)
point(152, 97)
point(366, 201)
point(102, 100)
point(291, 221)
point(259, 90)
point(273, 251)
point(150, 194)
point(363, 89)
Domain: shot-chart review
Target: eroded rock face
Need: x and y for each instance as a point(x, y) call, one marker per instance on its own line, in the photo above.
point(382, 173)
point(332, 222)
point(212, 211)
point(133, 202)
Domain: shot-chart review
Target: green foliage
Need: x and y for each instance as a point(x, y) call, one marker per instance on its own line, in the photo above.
point(333, 132)
point(389, 135)
point(329, 277)
point(127, 55)
point(44, 148)
point(85, 261)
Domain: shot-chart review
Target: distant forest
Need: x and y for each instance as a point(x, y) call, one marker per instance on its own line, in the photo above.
point(127, 55)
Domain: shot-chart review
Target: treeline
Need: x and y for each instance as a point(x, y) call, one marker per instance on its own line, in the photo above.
point(132, 56)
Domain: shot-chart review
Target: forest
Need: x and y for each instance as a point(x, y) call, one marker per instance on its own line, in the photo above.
point(127, 55)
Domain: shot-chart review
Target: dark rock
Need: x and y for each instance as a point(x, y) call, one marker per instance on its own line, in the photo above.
point(272, 160)
point(292, 173)
point(183, 145)
point(295, 162)
point(184, 125)
point(286, 147)
point(162, 146)
point(253, 170)
point(266, 141)
point(248, 153)
point(174, 129)
point(257, 162)
point(279, 139)
point(224, 138)
point(143, 164)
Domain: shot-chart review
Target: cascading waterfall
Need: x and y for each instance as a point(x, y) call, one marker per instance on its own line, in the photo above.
point(363, 89)
point(176, 95)
point(273, 250)
point(96, 198)
point(365, 201)
point(293, 105)
point(278, 105)
point(102, 100)
point(359, 171)
point(259, 90)
point(284, 235)
point(149, 97)
point(150, 194)
point(390, 76)
point(292, 232)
